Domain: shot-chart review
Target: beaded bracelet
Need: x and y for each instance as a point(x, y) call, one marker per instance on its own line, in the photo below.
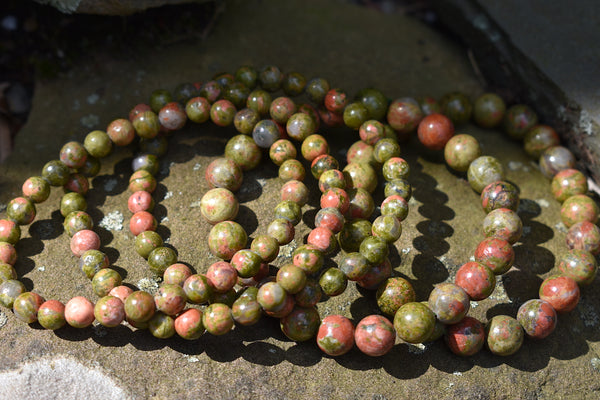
point(346, 207)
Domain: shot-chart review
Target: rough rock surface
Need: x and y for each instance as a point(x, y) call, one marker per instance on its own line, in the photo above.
point(353, 48)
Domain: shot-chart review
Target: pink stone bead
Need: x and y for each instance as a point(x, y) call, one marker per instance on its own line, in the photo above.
point(9, 231)
point(109, 311)
point(120, 292)
point(323, 239)
point(140, 201)
point(83, 241)
point(79, 312)
point(8, 254)
point(222, 276)
point(142, 221)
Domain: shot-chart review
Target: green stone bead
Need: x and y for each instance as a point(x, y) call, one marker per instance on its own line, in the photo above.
point(226, 238)
point(270, 78)
point(51, 315)
point(374, 249)
point(246, 310)
point(483, 171)
point(355, 114)
point(184, 92)
point(91, 167)
point(105, 280)
point(26, 306)
point(385, 149)
point(289, 210)
point(77, 221)
point(98, 144)
point(160, 259)
point(247, 75)
point(292, 170)
point(504, 335)
point(460, 151)
point(211, 90)
point(300, 126)
point(146, 162)
point(316, 89)
point(146, 124)
point(92, 261)
point(414, 322)
point(488, 110)
point(518, 120)
point(567, 183)
point(354, 266)
point(217, 319)
point(224, 78)
point(10, 231)
point(457, 107)
point(7, 272)
point(360, 175)
point(538, 139)
point(227, 298)
point(242, 149)
point(21, 210)
point(393, 294)
point(159, 98)
point(36, 189)
point(310, 295)
point(236, 93)
point(9, 291)
point(197, 289)
point(293, 83)
point(139, 306)
point(161, 326)
point(259, 101)
point(245, 120)
point(333, 282)
point(301, 324)
point(291, 278)
point(308, 258)
point(72, 202)
point(398, 187)
point(266, 247)
point(375, 102)
point(353, 233)
point(56, 173)
point(387, 227)
point(198, 110)
point(142, 180)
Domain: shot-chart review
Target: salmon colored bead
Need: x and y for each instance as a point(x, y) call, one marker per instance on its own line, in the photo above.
point(435, 131)
point(9, 231)
point(121, 132)
point(142, 221)
point(140, 201)
point(121, 292)
point(323, 239)
point(83, 241)
point(8, 254)
point(79, 312)
point(561, 292)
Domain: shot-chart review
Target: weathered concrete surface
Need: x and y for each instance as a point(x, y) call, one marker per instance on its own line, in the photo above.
point(353, 48)
point(543, 53)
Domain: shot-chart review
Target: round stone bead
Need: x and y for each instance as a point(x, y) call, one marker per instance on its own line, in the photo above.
point(295, 191)
point(56, 173)
point(293, 83)
point(158, 98)
point(281, 230)
point(374, 249)
point(148, 162)
point(10, 231)
point(496, 253)
point(83, 241)
point(291, 278)
point(466, 337)
point(79, 312)
point(137, 109)
point(281, 109)
point(537, 317)
point(246, 309)
point(476, 279)
point(561, 292)
point(245, 120)
point(375, 102)
point(567, 183)
point(360, 152)
point(246, 263)
point(161, 325)
point(538, 139)
point(198, 109)
point(449, 302)
point(7, 272)
point(146, 124)
point(354, 266)
point(92, 261)
point(271, 296)
point(226, 238)
point(301, 324)
point(504, 335)
point(414, 322)
point(429, 105)
point(73, 154)
point(259, 101)
point(395, 168)
point(189, 325)
point(335, 100)
point(222, 112)
point(578, 208)
point(353, 233)
point(77, 221)
point(330, 218)
point(170, 299)
point(323, 239)
point(355, 114)
point(109, 311)
point(243, 151)
point(288, 210)
point(292, 170)
point(105, 280)
point(393, 294)
point(314, 146)
point(21, 210)
point(555, 159)
point(236, 93)
point(218, 205)
point(316, 89)
point(375, 335)
point(584, 236)
point(457, 107)
point(98, 144)
point(140, 306)
point(323, 163)
point(310, 294)
point(460, 151)
point(335, 336)
point(161, 258)
point(266, 247)
point(395, 206)
point(335, 198)
point(9, 291)
point(147, 241)
point(142, 180)
point(483, 171)
point(36, 189)
point(330, 118)
point(300, 126)
point(404, 115)
point(51, 314)
point(578, 265)
point(176, 274)
point(8, 254)
point(121, 292)
point(333, 282)
point(504, 224)
point(270, 78)
point(488, 110)
point(518, 120)
point(360, 175)
point(72, 202)
point(385, 149)
point(500, 194)
point(371, 132)
point(224, 173)
point(77, 183)
point(281, 151)
point(172, 116)
point(308, 258)
point(265, 133)
point(26, 306)
point(435, 130)
point(387, 227)
point(121, 132)
point(197, 289)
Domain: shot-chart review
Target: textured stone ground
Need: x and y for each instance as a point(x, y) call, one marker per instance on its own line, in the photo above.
point(353, 48)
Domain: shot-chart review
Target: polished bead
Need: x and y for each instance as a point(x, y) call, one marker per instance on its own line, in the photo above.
point(488, 110)
point(161, 258)
point(579, 208)
point(476, 279)
point(301, 324)
point(404, 115)
point(466, 337)
point(335, 336)
point(578, 265)
point(496, 253)
point(189, 325)
point(504, 224)
point(518, 120)
point(483, 171)
point(51, 314)
point(93, 261)
point(393, 294)
point(435, 130)
point(83, 241)
point(26, 306)
point(218, 205)
point(375, 335)
point(537, 317)
point(333, 282)
point(121, 132)
point(456, 106)
point(109, 311)
point(79, 312)
point(567, 183)
point(561, 292)
point(555, 159)
point(222, 112)
point(170, 299)
point(224, 173)
point(449, 302)
point(460, 151)
point(105, 280)
point(538, 139)
point(244, 151)
point(414, 322)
